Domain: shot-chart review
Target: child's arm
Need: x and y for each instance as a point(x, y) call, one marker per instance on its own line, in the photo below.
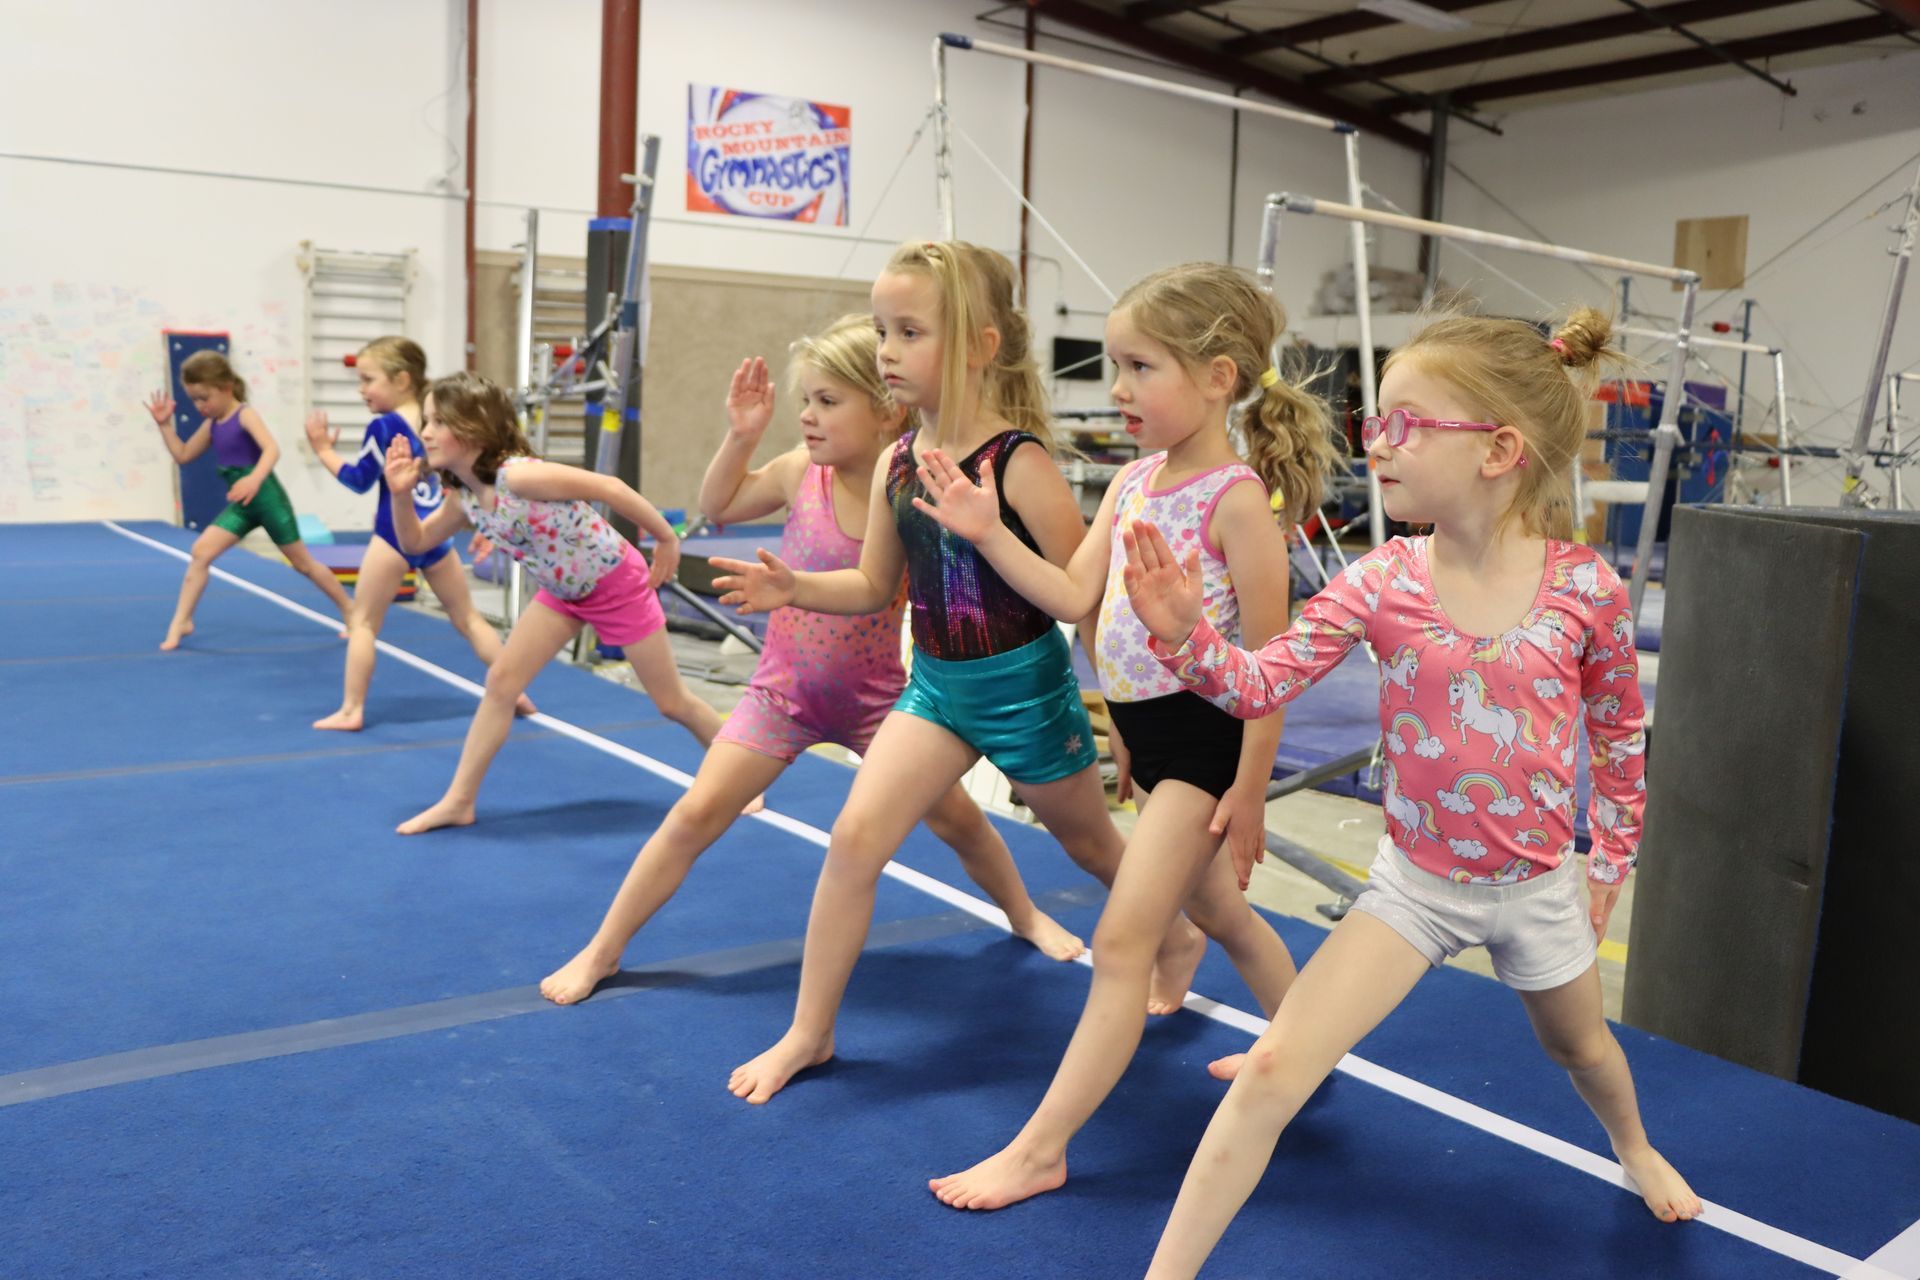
point(1166, 598)
point(358, 475)
point(1043, 500)
point(161, 406)
point(769, 584)
point(973, 512)
point(247, 486)
point(557, 482)
point(1255, 549)
point(417, 536)
point(1609, 668)
point(729, 492)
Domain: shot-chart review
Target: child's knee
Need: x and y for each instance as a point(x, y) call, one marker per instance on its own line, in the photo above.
point(1123, 946)
point(1581, 1053)
point(504, 684)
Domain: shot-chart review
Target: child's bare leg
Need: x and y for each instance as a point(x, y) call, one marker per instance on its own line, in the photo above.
point(1358, 976)
point(212, 543)
point(448, 578)
point(652, 660)
point(1167, 856)
point(957, 820)
point(911, 763)
point(322, 577)
point(1074, 810)
point(1219, 907)
point(381, 570)
point(1573, 1030)
point(538, 635)
point(729, 777)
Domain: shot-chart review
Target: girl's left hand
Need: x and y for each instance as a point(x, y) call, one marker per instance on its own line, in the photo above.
point(1601, 898)
point(1241, 818)
point(967, 509)
point(244, 489)
point(666, 563)
point(755, 587)
point(1165, 593)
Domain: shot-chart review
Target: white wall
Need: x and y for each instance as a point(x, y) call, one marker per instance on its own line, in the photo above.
point(1615, 175)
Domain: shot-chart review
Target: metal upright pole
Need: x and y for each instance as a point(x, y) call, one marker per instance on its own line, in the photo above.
point(1893, 441)
point(1665, 436)
point(1363, 311)
point(1780, 415)
point(943, 140)
point(523, 364)
point(1851, 492)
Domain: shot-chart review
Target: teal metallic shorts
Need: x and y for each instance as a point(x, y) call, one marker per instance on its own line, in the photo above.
point(1020, 709)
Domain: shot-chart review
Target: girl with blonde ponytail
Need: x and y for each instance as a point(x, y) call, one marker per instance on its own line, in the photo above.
point(1190, 347)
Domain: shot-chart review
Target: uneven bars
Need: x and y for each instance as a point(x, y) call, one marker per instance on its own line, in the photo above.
point(1666, 435)
point(1719, 344)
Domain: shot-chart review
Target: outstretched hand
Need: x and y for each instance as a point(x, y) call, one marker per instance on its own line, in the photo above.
point(755, 587)
point(957, 503)
point(1164, 592)
point(403, 469)
point(750, 399)
point(319, 435)
point(160, 405)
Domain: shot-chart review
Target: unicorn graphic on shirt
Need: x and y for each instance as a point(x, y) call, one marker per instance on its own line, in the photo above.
point(1548, 795)
point(1402, 669)
point(1579, 582)
point(1622, 628)
point(1541, 631)
point(1415, 815)
point(1612, 818)
point(1508, 727)
point(1613, 753)
point(1603, 869)
point(1604, 707)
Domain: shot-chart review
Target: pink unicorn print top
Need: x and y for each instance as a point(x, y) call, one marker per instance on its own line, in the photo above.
point(1184, 513)
point(567, 546)
point(1480, 731)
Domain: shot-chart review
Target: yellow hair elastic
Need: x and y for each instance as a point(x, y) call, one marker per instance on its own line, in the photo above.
point(1270, 377)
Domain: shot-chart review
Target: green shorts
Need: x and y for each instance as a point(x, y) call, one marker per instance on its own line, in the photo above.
point(269, 510)
point(1020, 709)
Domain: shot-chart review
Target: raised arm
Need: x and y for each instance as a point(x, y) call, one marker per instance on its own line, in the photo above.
point(417, 536)
point(768, 583)
point(364, 471)
point(558, 482)
point(161, 406)
point(730, 492)
point(972, 511)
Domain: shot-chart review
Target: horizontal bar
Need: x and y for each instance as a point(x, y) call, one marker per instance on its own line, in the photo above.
point(1695, 340)
point(1145, 82)
point(1447, 231)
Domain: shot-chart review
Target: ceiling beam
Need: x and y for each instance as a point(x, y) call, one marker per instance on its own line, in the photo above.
point(1152, 10)
point(1113, 26)
point(1796, 40)
point(1538, 40)
point(1339, 24)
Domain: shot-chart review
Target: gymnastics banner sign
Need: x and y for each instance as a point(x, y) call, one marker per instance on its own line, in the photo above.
point(761, 156)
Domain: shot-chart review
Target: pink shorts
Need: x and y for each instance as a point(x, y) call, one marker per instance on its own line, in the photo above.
point(622, 608)
point(771, 723)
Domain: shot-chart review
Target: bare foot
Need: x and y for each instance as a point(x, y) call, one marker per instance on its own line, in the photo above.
point(343, 719)
point(1174, 967)
point(1048, 935)
point(174, 636)
point(447, 813)
point(1660, 1185)
point(754, 805)
point(523, 706)
point(575, 980)
point(1003, 1178)
point(766, 1075)
point(1226, 1068)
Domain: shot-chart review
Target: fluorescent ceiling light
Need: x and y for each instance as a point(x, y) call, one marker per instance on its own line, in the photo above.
point(1420, 15)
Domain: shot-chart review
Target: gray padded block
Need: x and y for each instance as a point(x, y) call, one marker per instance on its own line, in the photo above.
point(1741, 777)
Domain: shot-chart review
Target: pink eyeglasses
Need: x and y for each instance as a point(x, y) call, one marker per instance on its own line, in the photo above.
point(1397, 424)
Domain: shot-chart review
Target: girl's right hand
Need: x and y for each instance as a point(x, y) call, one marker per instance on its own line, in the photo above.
point(970, 510)
point(1165, 593)
point(318, 435)
point(160, 405)
point(403, 469)
point(750, 400)
point(755, 588)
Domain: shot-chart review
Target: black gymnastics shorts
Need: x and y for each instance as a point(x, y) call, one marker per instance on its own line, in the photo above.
point(1180, 737)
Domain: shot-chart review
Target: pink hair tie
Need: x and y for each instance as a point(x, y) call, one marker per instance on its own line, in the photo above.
point(1559, 344)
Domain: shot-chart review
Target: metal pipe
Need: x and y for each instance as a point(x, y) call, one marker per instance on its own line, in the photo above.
point(1893, 440)
point(1664, 438)
point(473, 116)
point(1780, 414)
point(949, 39)
point(1363, 311)
point(942, 139)
point(523, 326)
point(1851, 493)
point(1717, 344)
point(1421, 226)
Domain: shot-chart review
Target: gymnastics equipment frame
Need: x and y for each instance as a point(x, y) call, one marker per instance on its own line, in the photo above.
point(1778, 357)
point(1666, 434)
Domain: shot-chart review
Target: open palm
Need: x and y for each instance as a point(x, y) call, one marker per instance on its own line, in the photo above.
point(1164, 592)
point(968, 509)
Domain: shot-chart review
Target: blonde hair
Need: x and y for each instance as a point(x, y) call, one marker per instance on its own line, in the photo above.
point(848, 351)
point(976, 288)
point(394, 355)
point(211, 369)
point(477, 411)
point(1202, 311)
point(1507, 373)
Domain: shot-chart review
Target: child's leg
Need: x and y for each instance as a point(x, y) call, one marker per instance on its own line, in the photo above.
point(212, 543)
point(1219, 907)
point(1074, 810)
point(730, 776)
point(322, 577)
point(984, 856)
point(1169, 853)
point(911, 763)
point(1573, 1030)
point(652, 661)
point(1358, 976)
point(381, 571)
point(448, 578)
point(538, 635)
